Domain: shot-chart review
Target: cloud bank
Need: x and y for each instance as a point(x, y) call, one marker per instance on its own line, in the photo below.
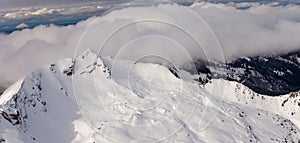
point(37, 13)
point(255, 30)
point(260, 29)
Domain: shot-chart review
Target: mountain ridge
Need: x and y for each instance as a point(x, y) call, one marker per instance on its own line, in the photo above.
point(269, 75)
point(47, 105)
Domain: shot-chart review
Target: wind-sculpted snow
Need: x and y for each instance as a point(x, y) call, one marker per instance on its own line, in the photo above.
point(92, 99)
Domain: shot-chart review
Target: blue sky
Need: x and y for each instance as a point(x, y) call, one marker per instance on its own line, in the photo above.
point(8, 4)
point(13, 4)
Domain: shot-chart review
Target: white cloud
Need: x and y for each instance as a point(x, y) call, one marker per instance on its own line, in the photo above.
point(29, 13)
point(21, 26)
point(260, 29)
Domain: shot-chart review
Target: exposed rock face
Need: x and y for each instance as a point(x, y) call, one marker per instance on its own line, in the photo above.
point(268, 75)
point(2, 89)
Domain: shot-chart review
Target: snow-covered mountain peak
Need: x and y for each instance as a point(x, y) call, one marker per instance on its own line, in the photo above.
point(92, 99)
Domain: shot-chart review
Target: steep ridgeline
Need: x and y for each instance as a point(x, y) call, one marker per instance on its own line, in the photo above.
point(269, 75)
point(149, 103)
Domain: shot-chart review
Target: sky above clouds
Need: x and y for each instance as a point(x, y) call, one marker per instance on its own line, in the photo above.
point(7, 4)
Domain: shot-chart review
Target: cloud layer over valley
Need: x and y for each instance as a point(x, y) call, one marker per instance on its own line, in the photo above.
point(244, 29)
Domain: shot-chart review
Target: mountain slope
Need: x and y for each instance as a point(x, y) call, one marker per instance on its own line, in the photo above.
point(90, 99)
point(270, 75)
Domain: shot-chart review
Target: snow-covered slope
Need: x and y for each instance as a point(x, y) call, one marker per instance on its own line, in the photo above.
point(90, 99)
